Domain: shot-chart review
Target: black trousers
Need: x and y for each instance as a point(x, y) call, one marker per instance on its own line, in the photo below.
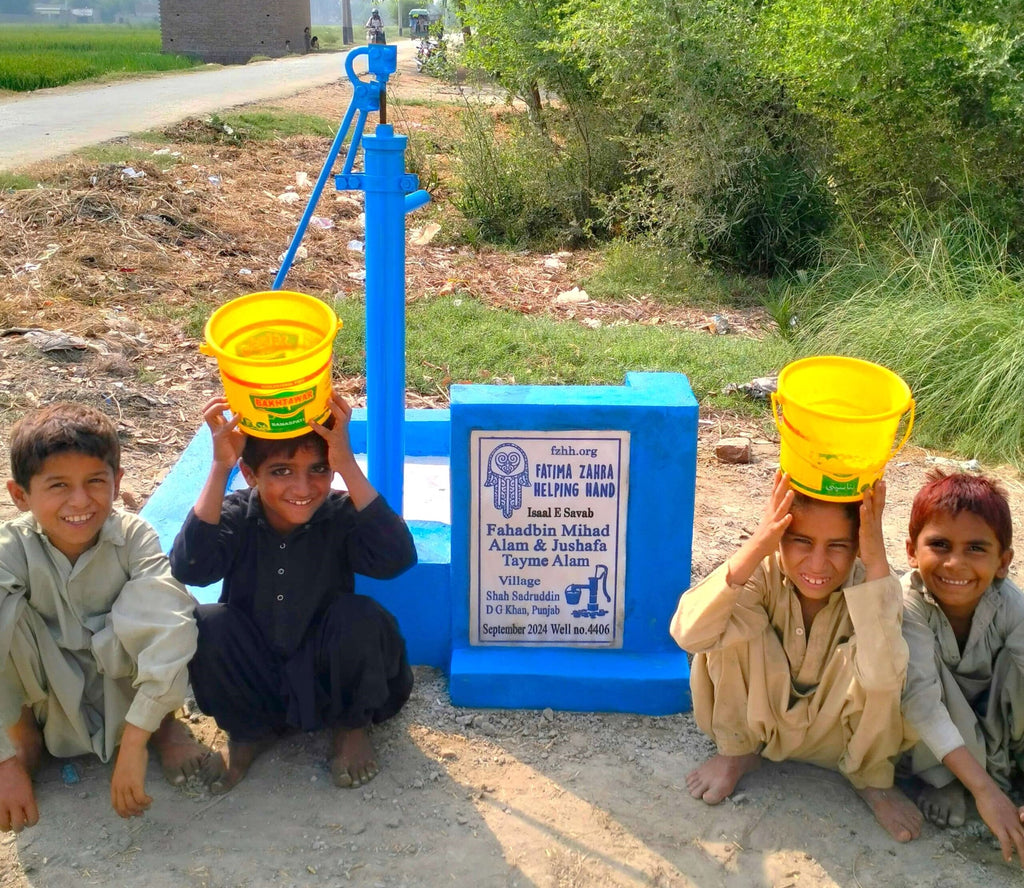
point(351, 670)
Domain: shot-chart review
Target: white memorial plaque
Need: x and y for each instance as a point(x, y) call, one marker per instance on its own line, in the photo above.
point(547, 538)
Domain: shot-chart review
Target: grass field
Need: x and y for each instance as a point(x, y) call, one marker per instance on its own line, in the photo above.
point(41, 56)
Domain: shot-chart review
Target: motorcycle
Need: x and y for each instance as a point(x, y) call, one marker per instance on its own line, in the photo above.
point(427, 47)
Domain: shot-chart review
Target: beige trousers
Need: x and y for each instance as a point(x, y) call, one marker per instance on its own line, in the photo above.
point(79, 709)
point(744, 699)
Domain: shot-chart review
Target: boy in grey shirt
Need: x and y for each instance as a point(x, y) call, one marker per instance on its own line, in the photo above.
point(964, 625)
point(95, 633)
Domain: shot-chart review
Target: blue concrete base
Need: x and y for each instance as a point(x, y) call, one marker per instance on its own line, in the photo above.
point(655, 683)
point(649, 674)
point(420, 599)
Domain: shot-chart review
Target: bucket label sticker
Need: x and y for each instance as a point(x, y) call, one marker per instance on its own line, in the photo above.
point(284, 411)
point(832, 487)
point(284, 403)
point(547, 538)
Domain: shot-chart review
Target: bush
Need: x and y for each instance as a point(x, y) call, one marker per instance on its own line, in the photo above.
point(924, 95)
point(529, 185)
point(942, 308)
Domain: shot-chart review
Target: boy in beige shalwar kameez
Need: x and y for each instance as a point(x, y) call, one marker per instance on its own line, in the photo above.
point(799, 653)
point(95, 633)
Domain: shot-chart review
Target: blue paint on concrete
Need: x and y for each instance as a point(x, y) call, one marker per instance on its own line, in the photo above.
point(420, 599)
point(427, 432)
point(649, 674)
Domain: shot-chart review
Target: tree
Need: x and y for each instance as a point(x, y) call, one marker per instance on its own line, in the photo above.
point(919, 94)
point(346, 22)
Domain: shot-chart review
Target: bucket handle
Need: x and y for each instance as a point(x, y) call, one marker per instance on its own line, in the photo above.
point(779, 414)
point(906, 434)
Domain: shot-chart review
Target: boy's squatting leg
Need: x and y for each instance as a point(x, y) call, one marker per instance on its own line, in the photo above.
point(224, 768)
point(897, 814)
point(28, 741)
point(181, 755)
point(353, 762)
point(714, 781)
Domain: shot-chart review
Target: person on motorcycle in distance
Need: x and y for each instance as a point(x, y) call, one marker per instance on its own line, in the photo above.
point(375, 28)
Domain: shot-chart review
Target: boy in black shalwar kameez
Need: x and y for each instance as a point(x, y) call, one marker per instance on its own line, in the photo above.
point(290, 645)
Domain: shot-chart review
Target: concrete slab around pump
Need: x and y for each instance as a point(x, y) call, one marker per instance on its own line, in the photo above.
point(419, 598)
point(431, 601)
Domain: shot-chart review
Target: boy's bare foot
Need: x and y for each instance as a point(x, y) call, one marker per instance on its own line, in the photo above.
point(715, 780)
point(28, 741)
point(180, 753)
point(944, 805)
point(894, 811)
point(225, 767)
point(18, 807)
point(352, 759)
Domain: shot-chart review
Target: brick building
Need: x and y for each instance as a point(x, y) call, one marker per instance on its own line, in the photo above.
point(230, 32)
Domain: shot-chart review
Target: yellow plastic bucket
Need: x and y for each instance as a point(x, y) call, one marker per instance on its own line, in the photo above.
point(274, 350)
point(838, 420)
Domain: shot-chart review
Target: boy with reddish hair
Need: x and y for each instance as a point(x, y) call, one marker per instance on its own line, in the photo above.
point(964, 626)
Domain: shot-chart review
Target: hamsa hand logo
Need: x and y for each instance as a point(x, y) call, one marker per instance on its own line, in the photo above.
point(508, 472)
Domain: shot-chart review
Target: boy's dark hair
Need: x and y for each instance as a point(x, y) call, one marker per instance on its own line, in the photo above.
point(960, 492)
point(61, 427)
point(258, 450)
point(852, 510)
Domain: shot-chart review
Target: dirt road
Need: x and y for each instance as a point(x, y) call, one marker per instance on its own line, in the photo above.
point(53, 122)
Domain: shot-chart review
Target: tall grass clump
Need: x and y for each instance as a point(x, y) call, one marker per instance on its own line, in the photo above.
point(669, 276)
point(942, 306)
point(517, 183)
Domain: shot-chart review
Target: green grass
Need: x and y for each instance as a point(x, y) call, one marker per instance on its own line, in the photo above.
point(460, 340)
point(125, 154)
point(276, 124)
point(16, 181)
point(632, 268)
point(192, 315)
point(943, 309)
point(40, 56)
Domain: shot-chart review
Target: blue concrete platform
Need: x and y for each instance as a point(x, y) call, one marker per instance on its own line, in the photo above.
point(646, 672)
point(579, 681)
point(420, 598)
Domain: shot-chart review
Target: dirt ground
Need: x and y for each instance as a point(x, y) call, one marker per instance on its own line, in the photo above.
point(465, 797)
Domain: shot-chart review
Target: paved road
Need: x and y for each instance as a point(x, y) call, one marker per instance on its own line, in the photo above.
point(52, 122)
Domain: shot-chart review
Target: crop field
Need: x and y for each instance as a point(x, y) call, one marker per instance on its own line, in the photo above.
point(41, 56)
